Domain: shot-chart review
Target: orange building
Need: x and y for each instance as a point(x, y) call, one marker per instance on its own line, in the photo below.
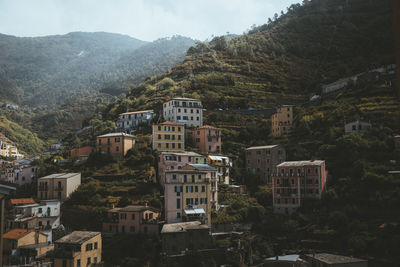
point(282, 120)
point(115, 144)
point(80, 152)
point(208, 139)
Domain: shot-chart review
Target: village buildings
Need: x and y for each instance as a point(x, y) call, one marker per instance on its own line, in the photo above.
point(176, 160)
point(222, 164)
point(58, 186)
point(184, 110)
point(80, 153)
point(115, 144)
point(194, 186)
point(132, 219)
point(169, 136)
point(357, 127)
point(80, 248)
point(9, 150)
point(130, 121)
point(295, 181)
point(179, 237)
point(207, 138)
point(282, 120)
point(261, 161)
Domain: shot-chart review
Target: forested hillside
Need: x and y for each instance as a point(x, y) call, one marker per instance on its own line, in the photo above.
point(284, 61)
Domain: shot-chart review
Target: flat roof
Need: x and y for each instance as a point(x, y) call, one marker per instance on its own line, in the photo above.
point(183, 153)
point(184, 98)
point(334, 259)
point(133, 208)
point(218, 157)
point(116, 135)
point(301, 163)
point(183, 227)
point(137, 112)
point(261, 147)
point(203, 167)
point(77, 237)
point(61, 175)
point(293, 258)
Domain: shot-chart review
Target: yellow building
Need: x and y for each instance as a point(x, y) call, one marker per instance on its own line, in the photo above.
point(169, 136)
point(282, 120)
point(115, 144)
point(78, 249)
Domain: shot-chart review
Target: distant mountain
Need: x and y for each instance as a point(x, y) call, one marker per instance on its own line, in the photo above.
point(52, 68)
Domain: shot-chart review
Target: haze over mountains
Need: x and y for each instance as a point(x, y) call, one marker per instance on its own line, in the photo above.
point(49, 70)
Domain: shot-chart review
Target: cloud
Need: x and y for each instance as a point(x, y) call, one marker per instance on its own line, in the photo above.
point(143, 19)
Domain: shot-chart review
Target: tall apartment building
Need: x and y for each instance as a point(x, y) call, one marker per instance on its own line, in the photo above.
point(184, 110)
point(175, 161)
point(115, 144)
point(130, 121)
point(190, 193)
point(58, 186)
point(169, 136)
point(207, 138)
point(222, 164)
point(262, 160)
point(295, 181)
point(282, 120)
point(78, 249)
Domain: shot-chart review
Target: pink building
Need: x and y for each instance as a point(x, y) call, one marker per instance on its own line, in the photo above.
point(175, 161)
point(25, 174)
point(295, 181)
point(132, 219)
point(207, 138)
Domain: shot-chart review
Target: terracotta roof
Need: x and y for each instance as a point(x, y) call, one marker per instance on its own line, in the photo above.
point(16, 234)
point(22, 201)
point(207, 127)
point(137, 112)
point(171, 123)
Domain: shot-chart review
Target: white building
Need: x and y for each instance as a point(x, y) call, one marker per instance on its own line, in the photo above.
point(184, 110)
point(357, 127)
point(129, 121)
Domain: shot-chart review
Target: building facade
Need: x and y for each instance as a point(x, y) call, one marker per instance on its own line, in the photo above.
point(132, 219)
point(282, 120)
point(115, 144)
point(262, 160)
point(357, 127)
point(207, 138)
point(194, 186)
point(130, 121)
point(178, 237)
point(175, 161)
point(296, 181)
point(169, 136)
point(184, 110)
point(222, 164)
point(58, 186)
point(81, 153)
point(78, 249)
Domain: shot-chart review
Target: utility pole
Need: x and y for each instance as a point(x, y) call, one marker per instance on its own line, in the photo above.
point(396, 31)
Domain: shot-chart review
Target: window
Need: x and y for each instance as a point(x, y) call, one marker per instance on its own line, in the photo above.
point(88, 261)
point(203, 188)
point(159, 137)
point(95, 245)
point(199, 176)
point(117, 148)
point(133, 216)
point(174, 176)
point(178, 203)
point(196, 189)
point(117, 139)
point(278, 200)
point(192, 178)
point(78, 263)
point(178, 215)
point(64, 263)
point(293, 201)
point(123, 216)
point(184, 178)
point(89, 246)
point(132, 229)
point(95, 260)
point(40, 210)
point(167, 145)
point(159, 128)
point(278, 181)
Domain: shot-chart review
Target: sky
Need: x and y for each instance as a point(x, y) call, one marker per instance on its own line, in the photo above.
point(147, 20)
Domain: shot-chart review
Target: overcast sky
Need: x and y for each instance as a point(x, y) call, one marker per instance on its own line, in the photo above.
point(143, 19)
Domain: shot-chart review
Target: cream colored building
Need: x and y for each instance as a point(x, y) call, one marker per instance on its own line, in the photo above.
point(78, 249)
point(169, 136)
point(191, 193)
point(58, 186)
point(282, 120)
